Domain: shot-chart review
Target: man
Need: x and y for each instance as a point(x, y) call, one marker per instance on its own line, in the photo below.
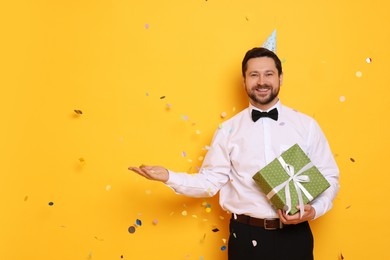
point(241, 147)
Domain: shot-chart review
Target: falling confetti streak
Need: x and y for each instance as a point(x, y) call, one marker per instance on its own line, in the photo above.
point(79, 112)
point(162, 97)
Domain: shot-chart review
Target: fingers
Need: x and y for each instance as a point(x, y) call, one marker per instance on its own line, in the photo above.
point(156, 173)
point(308, 214)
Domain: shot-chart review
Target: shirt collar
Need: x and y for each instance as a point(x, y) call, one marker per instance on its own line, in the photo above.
point(277, 106)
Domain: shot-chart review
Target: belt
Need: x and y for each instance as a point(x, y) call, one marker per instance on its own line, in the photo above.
point(267, 223)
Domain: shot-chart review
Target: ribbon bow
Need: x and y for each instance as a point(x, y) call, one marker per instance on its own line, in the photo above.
point(297, 178)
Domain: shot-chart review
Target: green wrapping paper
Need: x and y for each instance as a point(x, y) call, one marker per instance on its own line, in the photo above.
point(303, 173)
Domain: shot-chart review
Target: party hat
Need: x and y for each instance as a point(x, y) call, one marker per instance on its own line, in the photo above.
point(270, 43)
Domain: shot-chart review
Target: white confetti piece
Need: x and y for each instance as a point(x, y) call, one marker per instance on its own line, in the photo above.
point(254, 243)
point(342, 98)
point(359, 74)
point(368, 60)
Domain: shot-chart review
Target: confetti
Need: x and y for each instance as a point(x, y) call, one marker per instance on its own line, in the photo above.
point(51, 203)
point(359, 74)
point(184, 213)
point(223, 248)
point(81, 160)
point(26, 198)
point(348, 207)
point(352, 160)
point(155, 222)
point(162, 97)
point(131, 229)
point(108, 187)
point(208, 210)
point(224, 240)
point(138, 222)
point(184, 154)
point(200, 158)
point(185, 118)
point(215, 230)
point(147, 94)
point(198, 132)
point(254, 243)
point(147, 26)
point(99, 239)
point(79, 112)
point(342, 99)
point(341, 256)
point(223, 114)
point(368, 60)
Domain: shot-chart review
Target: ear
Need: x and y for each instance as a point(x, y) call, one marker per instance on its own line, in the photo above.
point(280, 79)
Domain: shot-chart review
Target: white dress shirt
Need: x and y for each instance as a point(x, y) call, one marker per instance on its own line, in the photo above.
point(241, 147)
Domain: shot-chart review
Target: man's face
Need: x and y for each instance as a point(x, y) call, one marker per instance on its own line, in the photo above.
point(262, 82)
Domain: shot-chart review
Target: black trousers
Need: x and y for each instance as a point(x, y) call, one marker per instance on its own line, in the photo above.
point(293, 242)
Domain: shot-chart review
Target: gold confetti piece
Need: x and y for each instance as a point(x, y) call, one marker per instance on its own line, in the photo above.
point(194, 216)
point(26, 198)
point(200, 158)
point(215, 230)
point(81, 160)
point(184, 213)
point(224, 240)
point(341, 256)
point(162, 97)
point(221, 217)
point(352, 160)
point(208, 210)
point(348, 207)
point(197, 132)
point(108, 187)
point(79, 112)
point(359, 74)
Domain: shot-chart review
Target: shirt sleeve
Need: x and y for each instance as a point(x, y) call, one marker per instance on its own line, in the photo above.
point(213, 174)
point(320, 154)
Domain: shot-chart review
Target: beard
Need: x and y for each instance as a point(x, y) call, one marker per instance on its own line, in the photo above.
point(263, 100)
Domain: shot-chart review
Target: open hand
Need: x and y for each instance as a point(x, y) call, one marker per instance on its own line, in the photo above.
point(156, 173)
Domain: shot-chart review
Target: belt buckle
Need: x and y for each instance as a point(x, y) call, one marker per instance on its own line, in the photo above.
point(272, 228)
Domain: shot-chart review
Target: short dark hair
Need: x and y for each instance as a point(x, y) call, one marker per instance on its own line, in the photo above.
point(261, 52)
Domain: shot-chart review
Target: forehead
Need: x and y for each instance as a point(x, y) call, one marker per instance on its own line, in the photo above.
point(261, 64)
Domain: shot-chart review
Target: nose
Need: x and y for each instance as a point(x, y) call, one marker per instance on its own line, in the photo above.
point(260, 80)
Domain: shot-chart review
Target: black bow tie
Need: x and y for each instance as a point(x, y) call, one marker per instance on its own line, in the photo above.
point(256, 114)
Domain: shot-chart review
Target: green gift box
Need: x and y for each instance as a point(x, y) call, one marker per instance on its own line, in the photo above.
point(290, 180)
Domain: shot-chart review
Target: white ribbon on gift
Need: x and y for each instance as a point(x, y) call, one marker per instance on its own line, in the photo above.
point(297, 178)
